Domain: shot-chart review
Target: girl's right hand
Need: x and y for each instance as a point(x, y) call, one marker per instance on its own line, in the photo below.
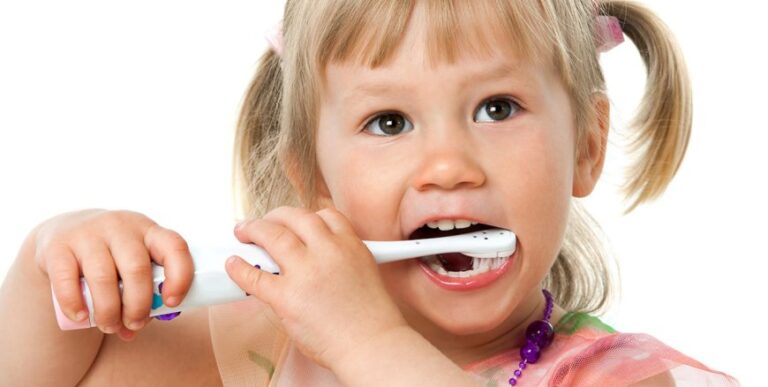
point(105, 246)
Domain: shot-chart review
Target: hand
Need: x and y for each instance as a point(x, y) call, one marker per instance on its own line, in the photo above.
point(329, 294)
point(104, 245)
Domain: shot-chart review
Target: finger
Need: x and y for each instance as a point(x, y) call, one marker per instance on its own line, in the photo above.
point(64, 274)
point(169, 249)
point(100, 274)
point(253, 281)
point(307, 225)
point(336, 221)
point(279, 241)
point(135, 268)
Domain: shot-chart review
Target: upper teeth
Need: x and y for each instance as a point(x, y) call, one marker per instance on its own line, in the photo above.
point(445, 225)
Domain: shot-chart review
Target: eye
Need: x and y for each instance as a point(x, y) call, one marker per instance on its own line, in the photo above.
point(496, 109)
point(389, 124)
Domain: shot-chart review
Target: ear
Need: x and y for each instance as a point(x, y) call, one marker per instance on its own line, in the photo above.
point(589, 164)
point(322, 194)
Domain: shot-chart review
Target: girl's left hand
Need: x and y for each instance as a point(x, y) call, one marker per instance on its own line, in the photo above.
point(329, 294)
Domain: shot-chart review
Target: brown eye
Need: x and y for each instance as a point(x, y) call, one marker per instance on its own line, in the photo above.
point(498, 109)
point(389, 124)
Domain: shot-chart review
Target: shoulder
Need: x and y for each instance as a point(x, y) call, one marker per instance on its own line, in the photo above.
point(177, 352)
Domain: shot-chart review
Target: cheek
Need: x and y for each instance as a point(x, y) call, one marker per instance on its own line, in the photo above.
point(537, 189)
point(367, 192)
point(551, 215)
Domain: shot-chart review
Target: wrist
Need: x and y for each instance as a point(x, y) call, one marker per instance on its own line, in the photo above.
point(356, 354)
point(398, 356)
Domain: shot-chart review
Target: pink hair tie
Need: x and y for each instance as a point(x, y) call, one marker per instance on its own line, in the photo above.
point(608, 32)
point(275, 38)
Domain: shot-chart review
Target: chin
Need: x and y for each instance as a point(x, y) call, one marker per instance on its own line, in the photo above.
point(428, 308)
point(470, 320)
point(458, 318)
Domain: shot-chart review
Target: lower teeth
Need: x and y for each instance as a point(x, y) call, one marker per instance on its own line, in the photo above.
point(479, 266)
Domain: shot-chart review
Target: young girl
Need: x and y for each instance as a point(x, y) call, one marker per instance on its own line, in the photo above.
point(386, 120)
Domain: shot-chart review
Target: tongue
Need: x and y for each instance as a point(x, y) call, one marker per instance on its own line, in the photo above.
point(455, 262)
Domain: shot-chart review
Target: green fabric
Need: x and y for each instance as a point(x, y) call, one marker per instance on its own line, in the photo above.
point(263, 362)
point(573, 321)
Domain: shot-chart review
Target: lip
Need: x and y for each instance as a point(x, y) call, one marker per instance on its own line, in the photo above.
point(467, 284)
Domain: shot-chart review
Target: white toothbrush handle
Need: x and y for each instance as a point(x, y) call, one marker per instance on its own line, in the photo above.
point(211, 285)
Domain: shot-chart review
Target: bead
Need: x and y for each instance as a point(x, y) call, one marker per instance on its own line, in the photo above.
point(530, 352)
point(539, 335)
point(540, 332)
point(550, 304)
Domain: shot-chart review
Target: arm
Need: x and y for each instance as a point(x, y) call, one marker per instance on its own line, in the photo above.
point(36, 351)
point(332, 302)
point(401, 357)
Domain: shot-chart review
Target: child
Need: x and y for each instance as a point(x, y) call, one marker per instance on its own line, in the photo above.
point(386, 120)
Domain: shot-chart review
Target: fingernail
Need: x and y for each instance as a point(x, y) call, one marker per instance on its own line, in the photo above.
point(111, 329)
point(81, 315)
point(172, 301)
point(127, 335)
point(232, 260)
point(135, 325)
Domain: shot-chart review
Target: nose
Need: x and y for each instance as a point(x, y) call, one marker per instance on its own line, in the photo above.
point(448, 161)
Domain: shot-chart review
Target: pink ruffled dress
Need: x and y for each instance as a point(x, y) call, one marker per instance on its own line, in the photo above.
point(252, 350)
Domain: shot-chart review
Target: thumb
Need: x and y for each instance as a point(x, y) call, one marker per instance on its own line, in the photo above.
point(251, 279)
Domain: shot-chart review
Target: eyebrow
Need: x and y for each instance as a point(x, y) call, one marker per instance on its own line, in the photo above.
point(506, 71)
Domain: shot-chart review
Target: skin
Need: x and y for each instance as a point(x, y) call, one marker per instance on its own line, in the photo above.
point(342, 310)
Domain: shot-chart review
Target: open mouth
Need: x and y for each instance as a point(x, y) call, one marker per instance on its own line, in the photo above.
point(457, 265)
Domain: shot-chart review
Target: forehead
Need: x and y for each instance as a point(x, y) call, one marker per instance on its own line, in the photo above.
point(408, 74)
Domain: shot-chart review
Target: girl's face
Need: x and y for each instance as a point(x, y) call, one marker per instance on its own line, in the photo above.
point(490, 140)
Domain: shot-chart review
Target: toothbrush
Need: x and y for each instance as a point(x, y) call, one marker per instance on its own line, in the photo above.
point(211, 285)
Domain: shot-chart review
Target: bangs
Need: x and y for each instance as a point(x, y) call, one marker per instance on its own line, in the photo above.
point(368, 32)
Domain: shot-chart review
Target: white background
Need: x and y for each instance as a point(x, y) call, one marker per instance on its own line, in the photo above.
point(133, 105)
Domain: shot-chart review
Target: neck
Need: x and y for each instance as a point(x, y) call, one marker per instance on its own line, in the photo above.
point(467, 349)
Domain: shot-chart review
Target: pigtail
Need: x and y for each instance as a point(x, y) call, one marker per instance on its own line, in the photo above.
point(663, 123)
point(257, 174)
point(581, 277)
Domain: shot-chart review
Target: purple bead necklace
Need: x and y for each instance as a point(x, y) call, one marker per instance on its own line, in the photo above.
point(538, 335)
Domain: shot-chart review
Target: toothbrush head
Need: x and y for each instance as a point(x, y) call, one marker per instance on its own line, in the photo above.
point(491, 243)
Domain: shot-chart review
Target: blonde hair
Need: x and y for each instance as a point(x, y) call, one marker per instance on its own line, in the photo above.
point(275, 130)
